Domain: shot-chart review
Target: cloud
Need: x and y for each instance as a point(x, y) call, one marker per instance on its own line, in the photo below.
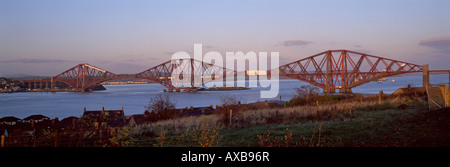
point(31, 61)
point(441, 44)
point(289, 43)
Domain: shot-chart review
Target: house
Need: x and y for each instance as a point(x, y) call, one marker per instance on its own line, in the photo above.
point(117, 122)
point(137, 119)
point(69, 121)
point(103, 112)
point(194, 111)
point(9, 120)
point(36, 118)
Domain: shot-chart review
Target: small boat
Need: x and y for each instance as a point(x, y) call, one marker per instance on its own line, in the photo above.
point(381, 80)
point(393, 80)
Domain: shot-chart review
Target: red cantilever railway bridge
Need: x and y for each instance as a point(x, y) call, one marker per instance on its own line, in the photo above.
point(329, 70)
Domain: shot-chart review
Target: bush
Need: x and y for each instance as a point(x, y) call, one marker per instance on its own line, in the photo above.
point(229, 102)
point(306, 94)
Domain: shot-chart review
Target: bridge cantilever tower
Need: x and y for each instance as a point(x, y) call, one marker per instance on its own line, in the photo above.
point(195, 72)
point(84, 76)
point(344, 69)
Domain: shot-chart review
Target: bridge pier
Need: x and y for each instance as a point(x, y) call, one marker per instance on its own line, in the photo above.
point(52, 83)
point(29, 85)
point(345, 90)
point(177, 89)
point(328, 91)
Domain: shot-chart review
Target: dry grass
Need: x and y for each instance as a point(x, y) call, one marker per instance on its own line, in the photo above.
point(337, 110)
point(180, 131)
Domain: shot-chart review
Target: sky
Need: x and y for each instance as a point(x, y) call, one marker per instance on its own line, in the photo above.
point(47, 37)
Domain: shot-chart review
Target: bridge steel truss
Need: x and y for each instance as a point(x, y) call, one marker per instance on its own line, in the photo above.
point(191, 74)
point(344, 69)
point(329, 70)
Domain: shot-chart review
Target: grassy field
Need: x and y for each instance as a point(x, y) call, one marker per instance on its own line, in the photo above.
point(401, 121)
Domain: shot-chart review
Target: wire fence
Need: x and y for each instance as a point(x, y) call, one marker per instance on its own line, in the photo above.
point(438, 96)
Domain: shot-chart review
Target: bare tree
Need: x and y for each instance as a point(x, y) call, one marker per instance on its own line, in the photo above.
point(230, 100)
point(160, 102)
point(307, 91)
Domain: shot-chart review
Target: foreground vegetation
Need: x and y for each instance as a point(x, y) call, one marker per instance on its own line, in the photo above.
point(331, 122)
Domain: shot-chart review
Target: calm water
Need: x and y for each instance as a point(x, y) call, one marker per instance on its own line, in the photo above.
point(134, 97)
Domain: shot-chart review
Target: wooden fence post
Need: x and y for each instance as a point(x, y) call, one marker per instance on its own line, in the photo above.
point(380, 97)
point(56, 139)
point(34, 141)
point(231, 115)
point(3, 141)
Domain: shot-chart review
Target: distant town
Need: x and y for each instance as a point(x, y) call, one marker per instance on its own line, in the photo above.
point(8, 85)
point(127, 81)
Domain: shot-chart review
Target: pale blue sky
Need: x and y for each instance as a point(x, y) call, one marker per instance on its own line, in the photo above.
point(46, 37)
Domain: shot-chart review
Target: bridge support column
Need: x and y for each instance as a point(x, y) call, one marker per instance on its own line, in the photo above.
point(29, 85)
point(52, 83)
point(177, 89)
point(170, 90)
point(35, 85)
point(426, 75)
point(345, 90)
point(328, 91)
point(40, 84)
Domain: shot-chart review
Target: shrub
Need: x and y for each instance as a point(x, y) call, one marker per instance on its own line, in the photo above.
point(304, 95)
point(207, 136)
point(229, 102)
